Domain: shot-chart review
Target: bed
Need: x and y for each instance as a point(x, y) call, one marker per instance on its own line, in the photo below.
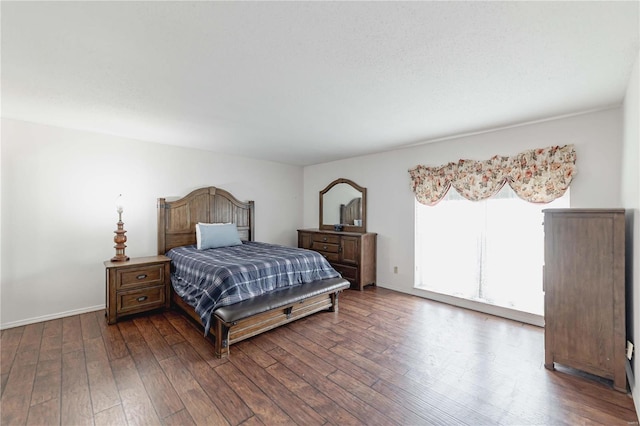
point(230, 322)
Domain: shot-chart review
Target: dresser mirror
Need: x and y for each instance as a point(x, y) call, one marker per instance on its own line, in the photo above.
point(343, 203)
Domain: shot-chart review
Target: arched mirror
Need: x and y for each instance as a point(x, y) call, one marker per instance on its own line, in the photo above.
point(344, 203)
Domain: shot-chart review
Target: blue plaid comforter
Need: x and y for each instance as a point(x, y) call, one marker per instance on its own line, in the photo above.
point(209, 279)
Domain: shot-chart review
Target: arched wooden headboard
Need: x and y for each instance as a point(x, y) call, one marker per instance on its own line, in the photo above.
point(177, 219)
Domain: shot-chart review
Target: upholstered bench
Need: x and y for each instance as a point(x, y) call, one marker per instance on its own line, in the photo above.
point(233, 323)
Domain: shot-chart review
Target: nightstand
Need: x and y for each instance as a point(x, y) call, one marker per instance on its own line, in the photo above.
point(137, 285)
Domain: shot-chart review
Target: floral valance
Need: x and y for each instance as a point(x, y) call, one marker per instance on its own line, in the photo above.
point(538, 176)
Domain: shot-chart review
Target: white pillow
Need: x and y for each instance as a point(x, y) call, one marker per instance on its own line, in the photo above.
point(214, 235)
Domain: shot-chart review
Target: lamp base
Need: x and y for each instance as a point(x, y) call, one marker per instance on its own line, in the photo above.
point(120, 239)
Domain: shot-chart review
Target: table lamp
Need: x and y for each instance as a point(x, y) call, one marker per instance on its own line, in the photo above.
point(120, 238)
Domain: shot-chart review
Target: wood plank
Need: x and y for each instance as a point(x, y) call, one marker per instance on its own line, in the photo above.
point(323, 336)
point(48, 381)
point(29, 348)
point(373, 341)
point(113, 341)
point(3, 383)
point(223, 396)
point(382, 403)
point(52, 328)
point(253, 396)
point(181, 418)
point(195, 399)
point(194, 336)
point(259, 356)
point(17, 394)
point(75, 404)
point(316, 399)
point(89, 326)
point(355, 406)
point(311, 360)
point(136, 403)
point(45, 413)
point(10, 342)
point(288, 401)
point(166, 330)
point(253, 421)
point(104, 392)
point(375, 369)
point(158, 345)
point(145, 362)
point(159, 388)
point(434, 412)
point(355, 369)
point(161, 392)
point(16, 397)
point(113, 416)
point(71, 334)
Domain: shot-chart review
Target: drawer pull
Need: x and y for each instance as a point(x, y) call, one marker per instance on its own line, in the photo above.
point(324, 247)
point(324, 239)
point(141, 276)
point(142, 298)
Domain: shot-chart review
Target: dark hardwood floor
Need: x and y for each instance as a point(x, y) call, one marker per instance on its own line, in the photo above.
point(385, 358)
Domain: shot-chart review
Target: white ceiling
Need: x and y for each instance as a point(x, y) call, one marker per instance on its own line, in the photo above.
point(309, 82)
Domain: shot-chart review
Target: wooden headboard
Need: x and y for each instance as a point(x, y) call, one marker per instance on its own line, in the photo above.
point(177, 219)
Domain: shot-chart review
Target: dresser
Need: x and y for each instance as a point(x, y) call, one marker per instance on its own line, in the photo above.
point(352, 254)
point(584, 284)
point(137, 285)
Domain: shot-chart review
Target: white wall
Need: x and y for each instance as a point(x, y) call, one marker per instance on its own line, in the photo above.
point(59, 188)
point(390, 211)
point(631, 201)
point(58, 209)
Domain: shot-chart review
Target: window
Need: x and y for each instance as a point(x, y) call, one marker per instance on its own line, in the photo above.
point(489, 251)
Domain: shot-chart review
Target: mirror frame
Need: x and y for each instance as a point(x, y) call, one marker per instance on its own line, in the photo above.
point(346, 228)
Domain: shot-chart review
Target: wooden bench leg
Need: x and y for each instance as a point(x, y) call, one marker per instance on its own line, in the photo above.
point(334, 302)
point(221, 339)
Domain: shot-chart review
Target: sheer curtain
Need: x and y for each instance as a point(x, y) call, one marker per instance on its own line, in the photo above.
point(490, 251)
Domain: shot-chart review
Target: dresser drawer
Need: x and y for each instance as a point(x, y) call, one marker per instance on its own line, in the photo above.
point(331, 257)
point(331, 239)
point(141, 300)
point(325, 247)
point(348, 272)
point(140, 276)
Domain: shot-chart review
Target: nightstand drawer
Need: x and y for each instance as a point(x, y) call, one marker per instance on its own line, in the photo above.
point(141, 300)
point(140, 276)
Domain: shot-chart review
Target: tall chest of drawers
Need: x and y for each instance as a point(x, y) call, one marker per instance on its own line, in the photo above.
point(584, 284)
point(350, 253)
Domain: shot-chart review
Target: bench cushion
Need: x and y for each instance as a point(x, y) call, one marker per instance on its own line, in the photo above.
point(279, 298)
